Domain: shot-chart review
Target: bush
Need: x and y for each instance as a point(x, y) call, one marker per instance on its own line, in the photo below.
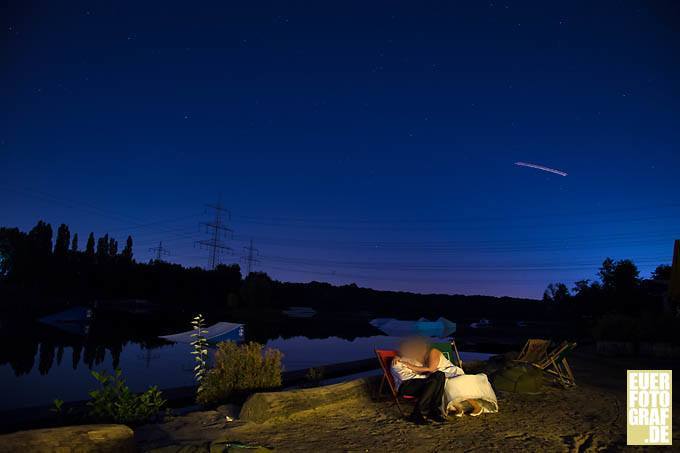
point(115, 402)
point(240, 369)
point(315, 376)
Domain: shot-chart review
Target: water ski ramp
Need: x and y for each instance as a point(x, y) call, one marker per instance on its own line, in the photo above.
point(222, 331)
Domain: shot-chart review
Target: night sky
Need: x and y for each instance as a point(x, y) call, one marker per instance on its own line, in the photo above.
point(368, 142)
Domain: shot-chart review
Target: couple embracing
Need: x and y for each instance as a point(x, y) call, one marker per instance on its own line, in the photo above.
point(441, 388)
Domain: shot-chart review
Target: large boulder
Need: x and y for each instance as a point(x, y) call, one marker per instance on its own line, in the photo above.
point(261, 407)
point(491, 366)
point(519, 379)
point(81, 438)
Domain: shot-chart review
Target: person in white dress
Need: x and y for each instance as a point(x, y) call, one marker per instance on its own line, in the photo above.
point(460, 389)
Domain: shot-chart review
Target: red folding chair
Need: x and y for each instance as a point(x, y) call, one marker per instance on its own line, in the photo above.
point(385, 357)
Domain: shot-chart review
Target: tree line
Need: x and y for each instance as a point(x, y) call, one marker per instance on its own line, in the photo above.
point(617, 289)
point(39, 270)
point(44, 272)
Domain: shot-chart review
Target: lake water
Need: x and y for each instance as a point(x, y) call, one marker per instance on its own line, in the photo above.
point(35, 371)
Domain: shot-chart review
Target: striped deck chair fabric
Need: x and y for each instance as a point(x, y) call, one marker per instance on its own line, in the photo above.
point(535, 351)
point(556, 364)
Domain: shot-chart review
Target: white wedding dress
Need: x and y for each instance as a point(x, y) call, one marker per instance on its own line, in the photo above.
point(460, 387)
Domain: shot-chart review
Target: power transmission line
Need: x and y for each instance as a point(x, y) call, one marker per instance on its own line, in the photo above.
point(472, 245)
point(250, 257)
point(518, 223)
point(445, 266)
point(277, 221)
point(159, 251)
point(215, 244)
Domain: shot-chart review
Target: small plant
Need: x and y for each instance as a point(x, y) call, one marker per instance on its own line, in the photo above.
point(57, 406)
point(240, 369)
point(315, 375)
point(200, 352)
point(115, 402)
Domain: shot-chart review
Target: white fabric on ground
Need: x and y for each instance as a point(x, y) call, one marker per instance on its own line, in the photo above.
point(469, 387)
point(460, 387)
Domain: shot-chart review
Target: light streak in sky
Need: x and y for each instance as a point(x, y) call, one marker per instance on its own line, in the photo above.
point(541, 167)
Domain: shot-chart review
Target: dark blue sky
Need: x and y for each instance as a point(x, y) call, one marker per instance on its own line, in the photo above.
point(367, 142)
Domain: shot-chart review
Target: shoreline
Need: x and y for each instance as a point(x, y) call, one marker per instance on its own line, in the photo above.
point(588, 417)
point(34, 417)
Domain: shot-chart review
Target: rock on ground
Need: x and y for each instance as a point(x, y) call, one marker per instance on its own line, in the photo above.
point(81, 438)
point(265, 406)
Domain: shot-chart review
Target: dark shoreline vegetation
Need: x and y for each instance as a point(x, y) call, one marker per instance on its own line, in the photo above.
point(40, 274)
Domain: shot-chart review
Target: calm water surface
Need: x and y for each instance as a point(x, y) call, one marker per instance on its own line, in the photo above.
point(36, 371)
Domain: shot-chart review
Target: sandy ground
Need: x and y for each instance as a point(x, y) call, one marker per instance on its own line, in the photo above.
point(590, 417)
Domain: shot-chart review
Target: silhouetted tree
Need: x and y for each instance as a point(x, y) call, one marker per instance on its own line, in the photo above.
point(619, 276)
point(74, 243)
point(588, 296)
point(127, 251)
point(556, 293)
point(103, 247)
point(62, 242)
point(662, 273)
point(13, 255)
point(40, 240)
point(581, 287)
point(89, 248)
point(38, 254)
point(256, 290)
point(113, 247)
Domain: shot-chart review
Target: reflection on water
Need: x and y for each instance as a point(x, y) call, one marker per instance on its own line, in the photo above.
point(39, 363)
point(302, 352)
point(66, 374)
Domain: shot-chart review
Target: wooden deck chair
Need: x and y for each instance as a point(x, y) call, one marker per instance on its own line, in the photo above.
point(535, 351)
point(385, 357)
point(556, 364)
point(450, 351)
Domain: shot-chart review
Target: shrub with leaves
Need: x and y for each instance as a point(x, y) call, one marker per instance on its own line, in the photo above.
point(200, 352)
point(240, 369)
point(57, 406)
point(115, 402)
point(315, 376)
